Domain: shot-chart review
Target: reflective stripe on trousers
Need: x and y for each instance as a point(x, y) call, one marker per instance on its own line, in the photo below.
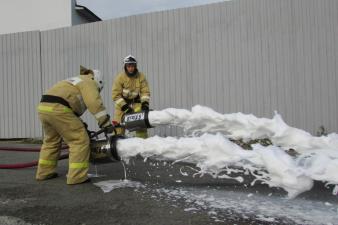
point(83, 165)
point(47, 162)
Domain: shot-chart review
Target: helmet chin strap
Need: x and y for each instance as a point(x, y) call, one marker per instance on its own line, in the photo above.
point(133, 74)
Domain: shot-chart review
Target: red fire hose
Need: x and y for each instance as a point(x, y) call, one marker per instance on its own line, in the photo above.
point(28, 164)
point(11, 149)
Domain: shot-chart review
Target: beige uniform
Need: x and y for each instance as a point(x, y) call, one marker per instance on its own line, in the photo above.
point(132, 91)
point(60, 122)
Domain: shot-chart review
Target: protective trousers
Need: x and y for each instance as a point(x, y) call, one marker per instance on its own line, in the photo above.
point(70, 128)
point(118, 114)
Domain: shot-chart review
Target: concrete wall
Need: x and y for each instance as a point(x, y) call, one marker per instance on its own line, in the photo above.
point(253, 56)
point(20, 82)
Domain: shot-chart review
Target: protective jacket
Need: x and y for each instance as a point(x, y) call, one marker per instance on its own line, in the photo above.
point(127, 90)
point(81, 93)
point(131, 91)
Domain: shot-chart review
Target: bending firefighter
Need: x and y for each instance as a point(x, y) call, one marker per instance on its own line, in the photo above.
point(59, 112)
point(130, 93)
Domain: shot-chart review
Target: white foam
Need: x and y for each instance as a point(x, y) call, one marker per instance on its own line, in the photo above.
point(109, 185)
point(92, 175)
point(242, 126)
point(214, 153)
point(230, 204)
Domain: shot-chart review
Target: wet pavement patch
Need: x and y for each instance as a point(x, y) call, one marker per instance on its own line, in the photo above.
point(160, 199)
point(10, 220)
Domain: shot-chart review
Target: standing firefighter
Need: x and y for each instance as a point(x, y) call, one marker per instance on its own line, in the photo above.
point(59, 112)
point(130, 93)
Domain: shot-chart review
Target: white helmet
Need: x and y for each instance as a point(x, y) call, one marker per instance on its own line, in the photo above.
point(129, 60)
point(98, 79)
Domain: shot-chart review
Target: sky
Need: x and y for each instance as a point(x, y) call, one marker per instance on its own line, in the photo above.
point(108, 9)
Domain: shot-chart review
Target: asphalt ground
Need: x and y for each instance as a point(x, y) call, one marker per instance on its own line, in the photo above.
point(25, 201)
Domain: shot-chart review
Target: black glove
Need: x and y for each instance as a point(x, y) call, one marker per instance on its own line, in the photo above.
point(107, 126)
point(109, 129)
point(105, 122)
point(145, 106)
point(127, 109)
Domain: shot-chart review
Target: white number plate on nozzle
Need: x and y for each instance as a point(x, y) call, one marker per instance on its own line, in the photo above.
point(134, 117)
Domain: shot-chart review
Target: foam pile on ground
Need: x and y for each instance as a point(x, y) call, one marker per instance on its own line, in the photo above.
point(242, 126)
point(213, 152)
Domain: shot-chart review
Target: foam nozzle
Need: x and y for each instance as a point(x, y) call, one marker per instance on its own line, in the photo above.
point(105, 150)
point(136, 121)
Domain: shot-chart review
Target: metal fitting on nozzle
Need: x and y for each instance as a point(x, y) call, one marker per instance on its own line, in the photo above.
point(105, 150)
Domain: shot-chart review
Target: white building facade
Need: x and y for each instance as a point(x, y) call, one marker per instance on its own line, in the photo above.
point(29, 15)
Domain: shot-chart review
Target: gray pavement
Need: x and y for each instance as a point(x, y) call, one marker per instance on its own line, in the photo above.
point(24, 201)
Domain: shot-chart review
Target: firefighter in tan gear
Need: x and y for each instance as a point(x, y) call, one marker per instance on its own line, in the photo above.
point(59, 112)
point(130, 93)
